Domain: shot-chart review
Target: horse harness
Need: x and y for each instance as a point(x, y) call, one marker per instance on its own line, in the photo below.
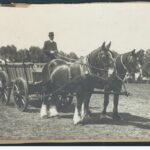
point(119, 78)
point(85, 71)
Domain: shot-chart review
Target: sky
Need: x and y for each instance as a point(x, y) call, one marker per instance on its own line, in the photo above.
point(79, 28)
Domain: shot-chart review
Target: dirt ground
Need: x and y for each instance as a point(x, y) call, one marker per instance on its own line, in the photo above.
point(135, 123)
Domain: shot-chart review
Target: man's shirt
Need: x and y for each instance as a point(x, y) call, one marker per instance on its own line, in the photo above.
point(50, 46)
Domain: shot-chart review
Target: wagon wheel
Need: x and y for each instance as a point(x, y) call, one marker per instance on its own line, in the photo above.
point(4, 89)
point(20, 93)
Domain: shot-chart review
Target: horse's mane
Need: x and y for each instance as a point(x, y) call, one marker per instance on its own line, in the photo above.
point(95, 51)
point(93, 56)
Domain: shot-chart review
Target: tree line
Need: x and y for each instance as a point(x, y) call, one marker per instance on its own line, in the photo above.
point(35, 54)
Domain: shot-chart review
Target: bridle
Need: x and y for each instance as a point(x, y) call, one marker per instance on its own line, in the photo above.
point(96, 68)
point(124, 66)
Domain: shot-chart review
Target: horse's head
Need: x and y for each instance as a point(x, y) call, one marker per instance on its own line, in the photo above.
point(106, 59)
point(135, 61)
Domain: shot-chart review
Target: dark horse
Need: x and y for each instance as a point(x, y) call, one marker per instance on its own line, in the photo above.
point(61, 77)
point(131, 63)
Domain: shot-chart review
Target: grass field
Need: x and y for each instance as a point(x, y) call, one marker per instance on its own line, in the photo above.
point(134, 110)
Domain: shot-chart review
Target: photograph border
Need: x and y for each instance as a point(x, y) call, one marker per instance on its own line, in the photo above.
point(13, 3)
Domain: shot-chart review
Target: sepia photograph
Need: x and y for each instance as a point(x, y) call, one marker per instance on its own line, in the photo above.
point(73, 73)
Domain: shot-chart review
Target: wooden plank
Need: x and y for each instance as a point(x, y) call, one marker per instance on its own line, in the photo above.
point(17, 70)
point(18, 64)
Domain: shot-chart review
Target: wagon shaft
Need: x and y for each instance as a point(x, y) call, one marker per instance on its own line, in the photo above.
point(119, 93)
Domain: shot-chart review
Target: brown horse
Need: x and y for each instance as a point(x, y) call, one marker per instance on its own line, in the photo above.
point(130, 62)
point(80, 77)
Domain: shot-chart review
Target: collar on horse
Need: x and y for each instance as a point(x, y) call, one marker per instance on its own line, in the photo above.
point(86, 69)
point(124, 67)
point(89, 71)
point(90, 67)
point(85, 66)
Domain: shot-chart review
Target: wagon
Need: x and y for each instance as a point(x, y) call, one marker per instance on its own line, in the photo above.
point(22, 80)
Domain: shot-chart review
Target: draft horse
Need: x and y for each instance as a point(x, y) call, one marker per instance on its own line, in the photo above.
point(61, 77)
point(130, 62)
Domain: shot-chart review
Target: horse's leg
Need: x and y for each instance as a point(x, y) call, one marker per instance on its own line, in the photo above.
point(43, 111)
point(115, 109)
point(88, 101)
point(77, 114)
point(106, 102)
point(85, 107)
point(53, 106)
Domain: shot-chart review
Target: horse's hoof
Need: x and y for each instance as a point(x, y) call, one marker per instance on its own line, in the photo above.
point(56, 117)
point(103, 116)
point(87, 119)
point(80, 123)
point(104, 112)
point(44, 117)
point(90, 113)
point(77, 121)
point(117, 118)
point(53, 116)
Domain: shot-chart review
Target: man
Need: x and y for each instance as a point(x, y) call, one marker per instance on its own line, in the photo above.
point(50, 47)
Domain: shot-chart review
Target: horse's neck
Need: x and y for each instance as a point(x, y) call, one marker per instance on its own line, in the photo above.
point(120, 62)
point(92, 59)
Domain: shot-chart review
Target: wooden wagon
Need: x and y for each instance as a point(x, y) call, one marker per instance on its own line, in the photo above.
point(22, 80)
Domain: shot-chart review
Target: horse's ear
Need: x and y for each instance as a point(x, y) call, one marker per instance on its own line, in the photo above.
point(138, 52)
point(133, 52)
point(141, 53)
point(108, 46)
point(103, 45)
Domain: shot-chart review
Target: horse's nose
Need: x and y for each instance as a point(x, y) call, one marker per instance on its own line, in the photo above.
point(110, 71)
point(139, 68)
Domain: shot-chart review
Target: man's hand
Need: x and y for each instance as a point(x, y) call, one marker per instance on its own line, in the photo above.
point(52, 52)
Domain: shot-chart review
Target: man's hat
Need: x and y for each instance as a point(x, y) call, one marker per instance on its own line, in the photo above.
point(51, 34)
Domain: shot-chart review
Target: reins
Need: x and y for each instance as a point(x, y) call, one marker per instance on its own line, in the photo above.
point(87, 65)
point(61, 89)
point(96, 76)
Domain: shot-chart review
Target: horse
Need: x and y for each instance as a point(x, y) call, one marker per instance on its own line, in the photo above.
point(79, 77)
point(130, 62)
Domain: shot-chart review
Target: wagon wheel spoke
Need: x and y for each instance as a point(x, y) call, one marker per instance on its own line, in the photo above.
point(3, 96)
point(20, 93)
point(22, 102)
point(4, 90)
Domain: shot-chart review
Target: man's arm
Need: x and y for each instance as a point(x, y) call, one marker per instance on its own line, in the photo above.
point(46, 51)
point(56, 47)
point(45, 45)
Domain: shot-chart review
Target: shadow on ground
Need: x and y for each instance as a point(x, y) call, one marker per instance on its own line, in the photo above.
point(127, 119)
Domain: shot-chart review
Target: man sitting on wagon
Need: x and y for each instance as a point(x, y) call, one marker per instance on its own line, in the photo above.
point(50, 47)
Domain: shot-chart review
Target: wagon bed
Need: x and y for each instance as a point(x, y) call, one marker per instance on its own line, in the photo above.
point(28, 71)
point(23, 79)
